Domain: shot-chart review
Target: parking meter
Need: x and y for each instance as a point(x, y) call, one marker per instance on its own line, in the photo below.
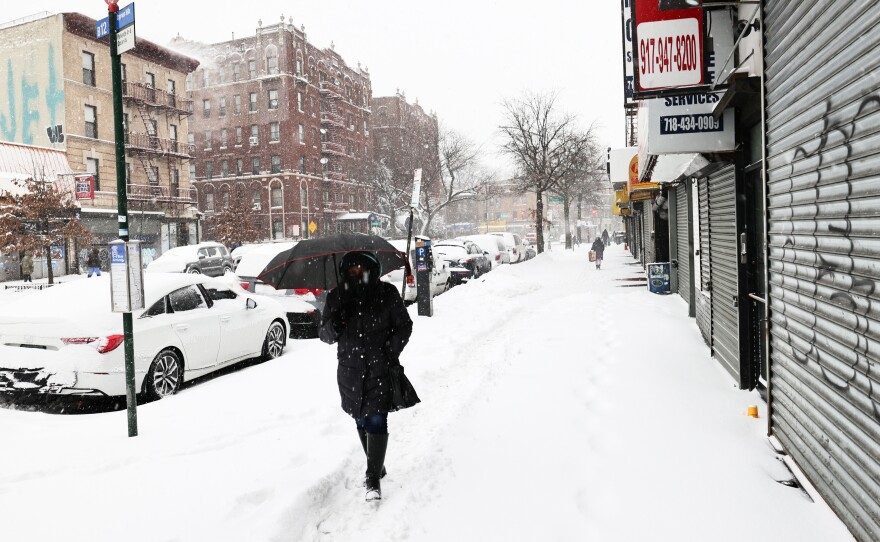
point(424, 268)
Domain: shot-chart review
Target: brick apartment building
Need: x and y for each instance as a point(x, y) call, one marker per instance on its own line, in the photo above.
point(59, 76)
point(285, 124)
point(405, 138)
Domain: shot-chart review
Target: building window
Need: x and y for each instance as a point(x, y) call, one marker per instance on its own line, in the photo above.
point(206, 107)
point(172, 87)
point(209, 202)
point(238, 135)
point(273, 99)
point(255, 135)
point(222, 106)
point(299, 66)
point(326, 196)
point(299, 102)
point(92, 169)
point(88, 60)
point(236, 104)
point(277, 200)
point(209, 170)
point(366, 131)
point(91, 114)
point(255, 165)
point(350, 122)
point(224, 199)
point(256, 200)
point(384, 141)
point(151, 128)
point(278, 229)
point(276, 163)
point(223, 138)
point(272, 61)
point(253, 107)
point(314, 137)
point(274, 131)
point(239, 167)
point(302, 134)
point(221, 76)
point(123, 73)
point(151, 80)
point(224, 168)
point(153, 176)
point(252, 69)
point(189, 81)
point(315, 166)
point(207, 139)
point(236, 71)
point(174, 180)
point(312, 105)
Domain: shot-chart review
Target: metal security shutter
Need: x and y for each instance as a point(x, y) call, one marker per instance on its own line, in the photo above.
point(704, 295)
point(725, 277)
point(647, 228)
point(823, 182)
point(683, 242)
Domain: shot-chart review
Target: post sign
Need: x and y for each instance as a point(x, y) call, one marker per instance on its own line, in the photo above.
point(85, 186)
point(126, 276)
point(125, 40)
point(417, 187)
point(124, 18)
point(627, 51)
point(312, 227)
point(668, 47)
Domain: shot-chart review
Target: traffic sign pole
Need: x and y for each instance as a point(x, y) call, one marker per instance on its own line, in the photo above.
point(122, 211)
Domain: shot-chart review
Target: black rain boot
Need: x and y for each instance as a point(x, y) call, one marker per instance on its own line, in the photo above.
point(363, 436)
point(376, 446)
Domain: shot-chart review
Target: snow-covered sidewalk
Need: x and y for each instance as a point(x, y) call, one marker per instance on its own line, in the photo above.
point(556, 405)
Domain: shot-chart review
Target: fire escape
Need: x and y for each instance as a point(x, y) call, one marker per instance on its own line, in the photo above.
point(333, 125)
point(153, 151)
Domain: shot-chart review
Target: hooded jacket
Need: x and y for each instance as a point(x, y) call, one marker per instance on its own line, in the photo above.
point(599, 247)
point(371, 326)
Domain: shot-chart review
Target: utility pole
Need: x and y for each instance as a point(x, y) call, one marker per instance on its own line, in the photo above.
point(122, 211)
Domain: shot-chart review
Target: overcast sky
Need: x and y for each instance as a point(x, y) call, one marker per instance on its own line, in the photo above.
point(459, 58)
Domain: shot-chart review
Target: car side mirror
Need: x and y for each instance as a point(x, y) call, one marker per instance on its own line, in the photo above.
point(485, 253)
point(251, 304)
point(202, 256)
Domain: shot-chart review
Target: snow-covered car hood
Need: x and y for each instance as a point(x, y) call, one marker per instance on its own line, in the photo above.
point(254, 260)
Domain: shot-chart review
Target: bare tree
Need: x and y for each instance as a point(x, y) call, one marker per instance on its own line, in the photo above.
point(579, 181)
point(542, 142)
point(234, 224)
point(38, 216)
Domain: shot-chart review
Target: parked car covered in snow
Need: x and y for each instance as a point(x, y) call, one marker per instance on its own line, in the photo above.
point(466, 260)
point(439, 273)
point(494, 247)
point(191, 326)
point(303, 306)
point(208, 258)
point(516, 247)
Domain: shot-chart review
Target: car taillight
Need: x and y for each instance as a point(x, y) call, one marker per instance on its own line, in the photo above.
point(410, 280)
point(514, 252)
point(300, 291)
point(245, 285)
point(79, 340)
point(498, 257)
point(109, 343)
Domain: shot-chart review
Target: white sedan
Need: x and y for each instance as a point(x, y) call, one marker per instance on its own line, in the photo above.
point(66, 341)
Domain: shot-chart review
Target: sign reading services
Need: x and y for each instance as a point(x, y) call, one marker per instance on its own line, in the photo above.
point(669, 47)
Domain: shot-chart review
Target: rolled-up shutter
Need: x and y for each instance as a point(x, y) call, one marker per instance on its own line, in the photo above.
point(648, 216)
point(725, 276)
point(823, 181)
point(683, 242)
point(704, 294)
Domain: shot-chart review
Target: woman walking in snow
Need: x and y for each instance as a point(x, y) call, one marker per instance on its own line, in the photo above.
point(599, 248)
point(27, 267)
point(369, 322)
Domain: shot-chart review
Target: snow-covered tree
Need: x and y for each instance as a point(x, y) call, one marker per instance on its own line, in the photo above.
point(234, 224)
point(580, 180)
point(543, 143)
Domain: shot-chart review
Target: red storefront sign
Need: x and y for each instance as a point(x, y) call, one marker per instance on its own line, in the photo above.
point(85, 186)
point(669, 52)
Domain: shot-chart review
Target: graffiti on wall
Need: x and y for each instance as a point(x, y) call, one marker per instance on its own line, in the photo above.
point(835, 271)
point(32, 96)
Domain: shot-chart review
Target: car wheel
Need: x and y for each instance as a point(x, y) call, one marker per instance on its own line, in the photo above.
point(194, 271)
point(227, 269)
point(273, 346)
point(165, 375)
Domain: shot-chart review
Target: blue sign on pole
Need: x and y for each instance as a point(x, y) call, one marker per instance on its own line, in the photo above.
point(124, 17)
point(117, 253)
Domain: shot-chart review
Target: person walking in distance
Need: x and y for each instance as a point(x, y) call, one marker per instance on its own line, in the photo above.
point(93, 262)
point(368, 321)
point(599, 248)
point(606, 238)
point(27, 267)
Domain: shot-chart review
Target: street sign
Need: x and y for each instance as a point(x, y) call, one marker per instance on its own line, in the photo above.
point(125, 40)
point(85, 186)
point(557, 199)
point(417, 187)
point(312, 227)
point(126, 276)
point(124, 17)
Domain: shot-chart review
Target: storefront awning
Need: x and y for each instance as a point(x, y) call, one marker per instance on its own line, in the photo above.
point(673, 167)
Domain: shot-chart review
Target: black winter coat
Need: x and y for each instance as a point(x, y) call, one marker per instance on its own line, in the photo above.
point(599, 247)
point(371, 331)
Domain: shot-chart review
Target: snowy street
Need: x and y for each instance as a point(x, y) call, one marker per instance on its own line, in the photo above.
point(557, 404)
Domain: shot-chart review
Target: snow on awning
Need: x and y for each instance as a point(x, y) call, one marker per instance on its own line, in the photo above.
point(672, 167)
point(20, 162)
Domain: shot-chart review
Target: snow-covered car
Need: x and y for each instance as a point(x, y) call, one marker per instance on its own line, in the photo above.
point(439, 273)
point(515, 246)
point(493, 246)
point(466, 260)
point(207, 258)
point(303, 306)
point(66, 341)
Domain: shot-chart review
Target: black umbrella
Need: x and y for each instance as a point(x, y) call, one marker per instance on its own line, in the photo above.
point(314, 263)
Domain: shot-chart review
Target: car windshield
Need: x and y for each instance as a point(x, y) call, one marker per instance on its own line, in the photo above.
point(450, 251)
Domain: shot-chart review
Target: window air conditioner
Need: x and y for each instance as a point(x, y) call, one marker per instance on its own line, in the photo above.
point(254, 141)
